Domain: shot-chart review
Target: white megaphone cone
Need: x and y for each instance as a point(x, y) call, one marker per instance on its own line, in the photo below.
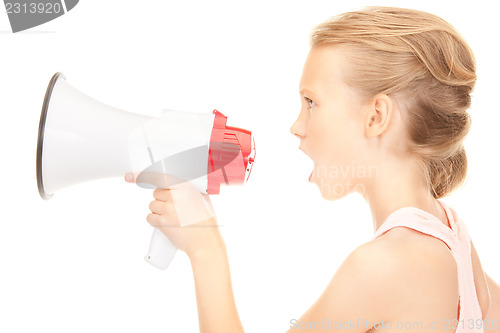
point(82, 139)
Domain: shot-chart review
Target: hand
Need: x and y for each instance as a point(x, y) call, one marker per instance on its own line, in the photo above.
point(185, 216)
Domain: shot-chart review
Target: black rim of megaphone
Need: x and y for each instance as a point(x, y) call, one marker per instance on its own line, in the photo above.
point(41, 131)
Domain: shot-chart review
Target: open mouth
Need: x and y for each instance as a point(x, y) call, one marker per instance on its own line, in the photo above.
point(312, 162)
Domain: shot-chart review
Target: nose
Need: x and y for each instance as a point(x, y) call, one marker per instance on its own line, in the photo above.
point(298, 129)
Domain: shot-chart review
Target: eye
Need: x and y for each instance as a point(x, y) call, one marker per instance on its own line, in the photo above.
point(309, 102)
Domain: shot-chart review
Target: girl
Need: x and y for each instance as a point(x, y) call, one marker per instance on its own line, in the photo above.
point(385, 90)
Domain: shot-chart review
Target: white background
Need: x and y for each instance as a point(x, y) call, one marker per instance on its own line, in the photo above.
point(75, 263)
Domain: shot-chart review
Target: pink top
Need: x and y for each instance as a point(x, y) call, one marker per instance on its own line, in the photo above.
point(458, 241)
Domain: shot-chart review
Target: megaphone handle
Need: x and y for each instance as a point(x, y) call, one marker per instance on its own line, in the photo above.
point(161, 250)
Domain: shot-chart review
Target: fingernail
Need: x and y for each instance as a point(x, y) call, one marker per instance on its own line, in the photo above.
point(128, 177)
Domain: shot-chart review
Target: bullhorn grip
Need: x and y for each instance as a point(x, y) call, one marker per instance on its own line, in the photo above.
point(161, 250)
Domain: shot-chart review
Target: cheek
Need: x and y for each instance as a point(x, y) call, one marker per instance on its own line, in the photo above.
point(318, 140)
point(329, 141)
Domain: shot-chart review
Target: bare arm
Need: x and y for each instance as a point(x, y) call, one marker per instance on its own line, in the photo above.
point(217, 311)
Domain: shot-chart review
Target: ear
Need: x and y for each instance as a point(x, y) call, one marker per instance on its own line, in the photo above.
point(379, 115)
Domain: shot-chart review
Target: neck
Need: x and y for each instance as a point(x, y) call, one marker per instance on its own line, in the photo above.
point(399, 184)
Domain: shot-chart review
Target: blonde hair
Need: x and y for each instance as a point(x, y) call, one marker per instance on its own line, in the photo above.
point(422, 59)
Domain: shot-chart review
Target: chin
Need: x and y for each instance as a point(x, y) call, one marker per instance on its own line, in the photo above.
point(333, 190)
point(332, 197)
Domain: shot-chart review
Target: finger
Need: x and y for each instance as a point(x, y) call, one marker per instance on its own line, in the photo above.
point(130, 177)
point(159, 221)
point(159, 207)
point(162, 195)
point(154, 178)
point(155, 220)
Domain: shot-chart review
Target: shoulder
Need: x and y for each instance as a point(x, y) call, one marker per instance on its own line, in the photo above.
point(392, 277)
point(402, 268)
point(405, 253)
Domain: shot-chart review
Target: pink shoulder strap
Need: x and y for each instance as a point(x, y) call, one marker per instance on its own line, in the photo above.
point(422, 221)
point(458, 241)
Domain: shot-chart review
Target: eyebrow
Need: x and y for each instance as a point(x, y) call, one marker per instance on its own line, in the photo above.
point(307, 92)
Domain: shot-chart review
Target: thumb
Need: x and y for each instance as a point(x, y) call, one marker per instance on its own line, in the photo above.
point(130, 177)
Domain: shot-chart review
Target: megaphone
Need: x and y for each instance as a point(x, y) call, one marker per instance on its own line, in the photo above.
point(82, 139)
